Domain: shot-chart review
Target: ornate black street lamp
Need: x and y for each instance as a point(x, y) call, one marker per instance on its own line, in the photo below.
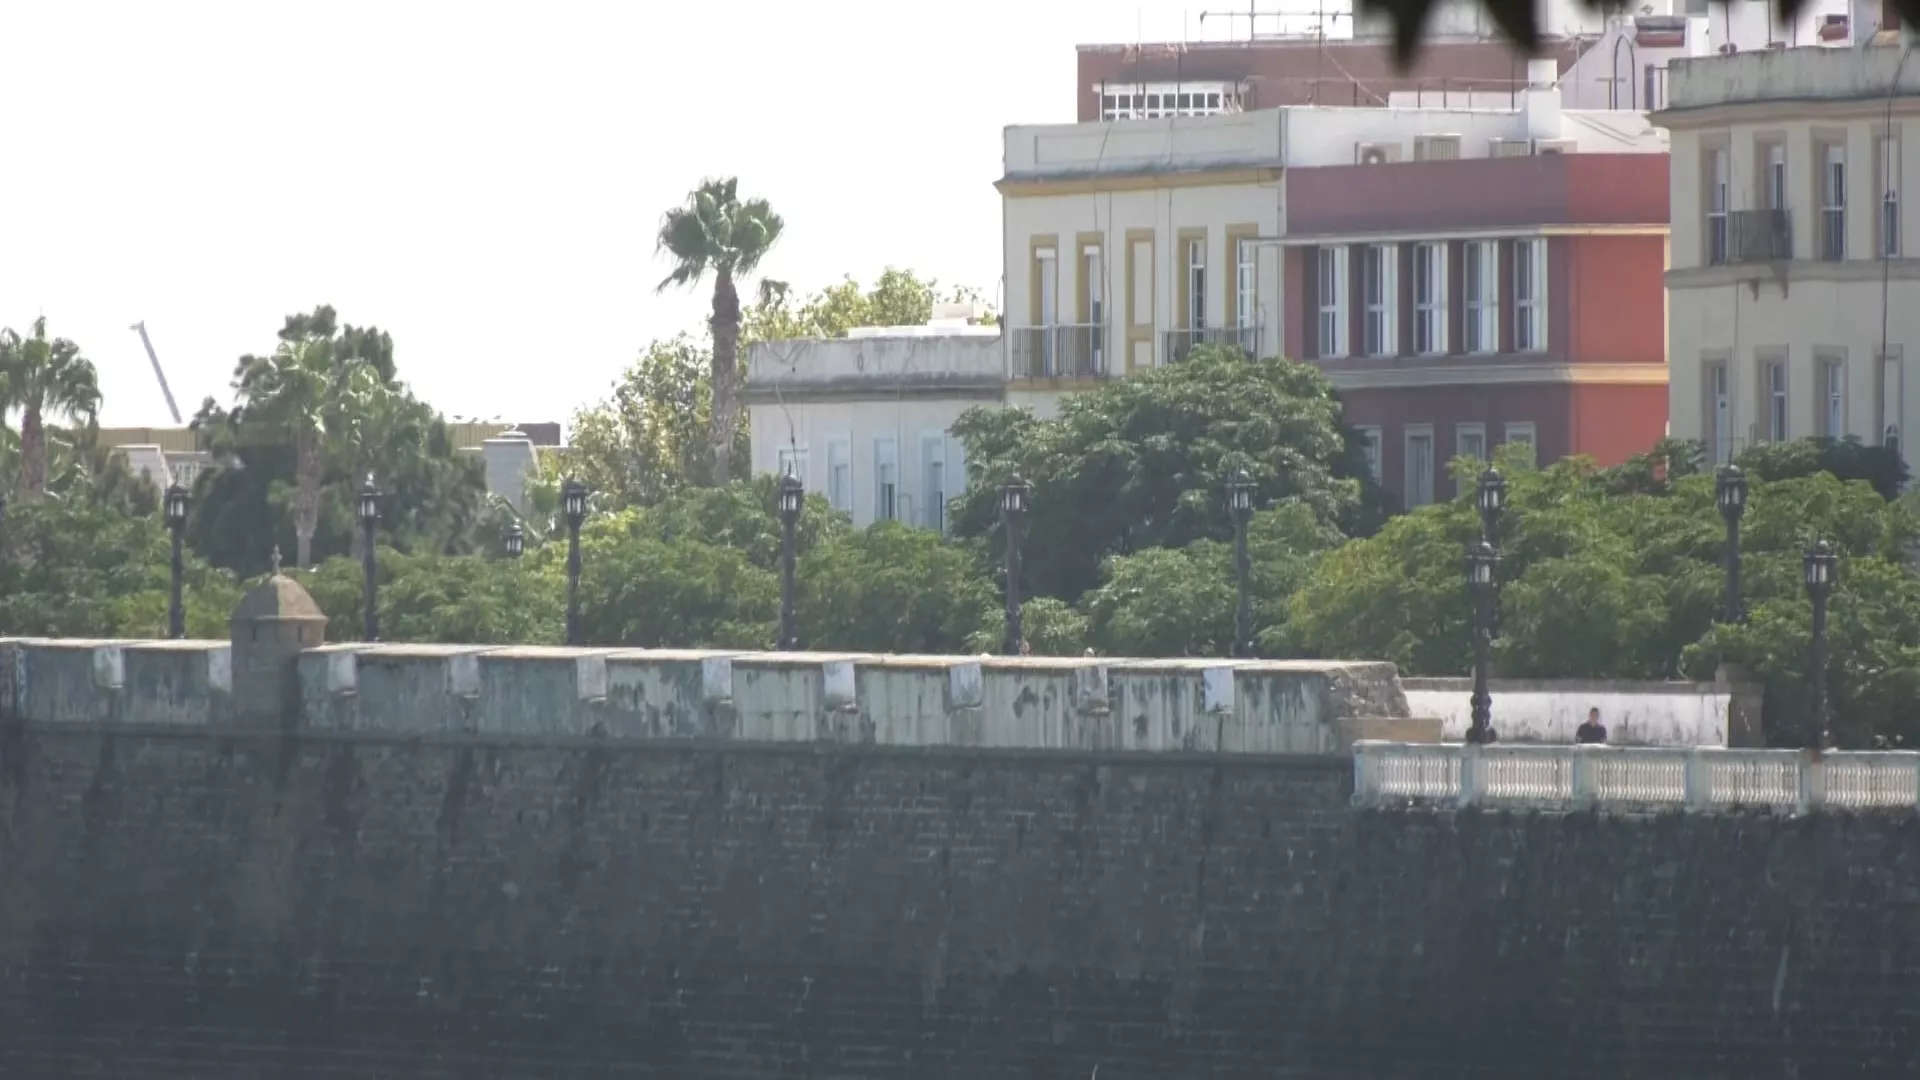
point(1240, 505)
point(1483, 566)
point(1821, 568)
point(1013, 511)
point(176, 513)
point(369, 512)
point(1730, 494)
point(573, 505)
point(516, 541)
point(791, 495)
point(1490, 499)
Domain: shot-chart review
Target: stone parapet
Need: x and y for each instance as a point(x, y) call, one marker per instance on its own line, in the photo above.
point(1033, 703)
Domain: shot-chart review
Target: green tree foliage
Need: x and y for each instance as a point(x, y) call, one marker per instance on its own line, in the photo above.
point(44, 379)
point(891, 588)
point(312, 419)
point(1142, 463)
point(463, 599)
point(717, 232)
point(649, 438)
point(77, 568)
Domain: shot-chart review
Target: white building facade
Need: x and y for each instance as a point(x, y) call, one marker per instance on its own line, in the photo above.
point(1793, 287)
point(867, 420)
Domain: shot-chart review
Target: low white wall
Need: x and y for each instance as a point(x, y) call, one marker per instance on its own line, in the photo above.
point(1528, 711)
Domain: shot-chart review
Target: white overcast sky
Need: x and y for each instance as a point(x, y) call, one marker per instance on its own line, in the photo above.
point(484, 179)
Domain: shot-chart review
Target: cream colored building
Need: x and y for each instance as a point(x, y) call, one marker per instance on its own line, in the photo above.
point(1794, 286)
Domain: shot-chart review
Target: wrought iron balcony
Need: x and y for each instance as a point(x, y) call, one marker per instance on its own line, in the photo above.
point(1758, 236)
point(1181, 342)
point(1060, 352)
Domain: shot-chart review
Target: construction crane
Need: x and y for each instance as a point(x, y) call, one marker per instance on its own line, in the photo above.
point(141, 329)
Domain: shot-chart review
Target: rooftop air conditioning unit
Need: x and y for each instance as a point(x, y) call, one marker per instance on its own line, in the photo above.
point(1554, 146)
point(1436, 148)
point(1509, 148)
point(1370, 153)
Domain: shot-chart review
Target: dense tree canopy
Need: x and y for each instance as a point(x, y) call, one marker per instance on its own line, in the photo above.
point(1143, 462)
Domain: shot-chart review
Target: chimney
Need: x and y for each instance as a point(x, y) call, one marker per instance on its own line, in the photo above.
point(1541, 102)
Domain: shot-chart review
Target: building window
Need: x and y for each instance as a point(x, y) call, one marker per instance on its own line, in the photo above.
point(933, 488)
point(1774, 383)
point(1333, 301)
point(1833, 205)
point(1833, 399)
point(1096, 313)
point(1521, 433)
point(1377, 282)
point(1773, 195)
point(1417, 485)
point(1482, 284)
point(1889, 198)
point(1246, 282)
point(1470, 441)
point(840, 475)
point(1152, 101)
point(1046, 306)
point(1371, 443)
point(1719, 419)
point(1430, 299)
point(886, 479)
point(1530, 295)
point(792, 461)
point(1196, 285)
point(1716, 207)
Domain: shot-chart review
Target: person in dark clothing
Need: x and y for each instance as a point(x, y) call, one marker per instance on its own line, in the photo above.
point(1593, 732)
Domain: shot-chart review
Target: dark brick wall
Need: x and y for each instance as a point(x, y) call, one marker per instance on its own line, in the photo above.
point(177, 905)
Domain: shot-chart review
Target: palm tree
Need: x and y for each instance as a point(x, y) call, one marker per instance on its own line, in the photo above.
point(716, 231)
point(43, 379)
point(305, 389)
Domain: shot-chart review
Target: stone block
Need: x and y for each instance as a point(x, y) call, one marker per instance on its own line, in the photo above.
point(1054, 702)
point(178, 682)
point(540, 691)
point(1297, 706)
point(72, 680)
point(1178, 704)
point(419, 689)
point(922, 700)
point(799, 697)
point(670, 694)
point(329, 679)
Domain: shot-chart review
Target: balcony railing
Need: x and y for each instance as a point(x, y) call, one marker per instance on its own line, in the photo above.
point(1634, 778)
point(1758, 236)
point(1060, 352)
point(1182, 342)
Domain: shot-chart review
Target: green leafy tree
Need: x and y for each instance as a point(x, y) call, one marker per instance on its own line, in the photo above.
point(79, 568)
point(890, 588)
point(464, 599)
point(1143, 462)
point(641, 591)
point(716, 232)
point(44, 379)
point(649, 438)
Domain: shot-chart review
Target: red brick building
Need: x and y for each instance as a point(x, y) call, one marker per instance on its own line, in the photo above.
point(1462, 304)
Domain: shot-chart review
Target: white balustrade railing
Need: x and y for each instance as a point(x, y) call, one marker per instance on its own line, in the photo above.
point(1634, 777)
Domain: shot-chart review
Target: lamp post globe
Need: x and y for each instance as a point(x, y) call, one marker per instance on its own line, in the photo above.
point(1490, 499)
point(516, 541)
